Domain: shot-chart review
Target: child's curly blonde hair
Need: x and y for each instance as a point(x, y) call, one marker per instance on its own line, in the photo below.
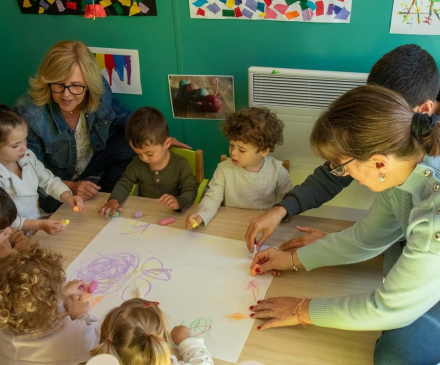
point(31, 283)
point(136, 333)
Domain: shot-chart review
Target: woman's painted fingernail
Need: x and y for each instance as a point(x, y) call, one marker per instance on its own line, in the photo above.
point(257, 269)
point(251, 307)
point(259, 302)
point(259, 327)
point(252, 314)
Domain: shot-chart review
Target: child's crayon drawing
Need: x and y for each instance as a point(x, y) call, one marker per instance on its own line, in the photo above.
point(199, 280)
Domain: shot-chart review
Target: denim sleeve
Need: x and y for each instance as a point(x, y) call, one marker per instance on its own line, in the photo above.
point(317, 189)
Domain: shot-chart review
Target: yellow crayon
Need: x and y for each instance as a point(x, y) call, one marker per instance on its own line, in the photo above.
point(65, 222)
point(194, 223)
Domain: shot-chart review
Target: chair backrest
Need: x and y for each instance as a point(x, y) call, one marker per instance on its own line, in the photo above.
point(286, 163)
point(195, 160)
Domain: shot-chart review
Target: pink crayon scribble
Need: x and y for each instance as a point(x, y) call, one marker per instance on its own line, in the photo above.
point(255, 287)
point(201, 327)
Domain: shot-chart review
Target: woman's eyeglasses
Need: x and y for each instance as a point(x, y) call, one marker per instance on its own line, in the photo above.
point(340, 170)
point(73, 89)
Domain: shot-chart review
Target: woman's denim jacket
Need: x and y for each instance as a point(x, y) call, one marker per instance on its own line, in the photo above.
point(53, 141)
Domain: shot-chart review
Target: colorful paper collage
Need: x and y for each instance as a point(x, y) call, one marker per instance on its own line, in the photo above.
point(120, 67)
point(321, 11)
point(89, 8)
point(415, 17)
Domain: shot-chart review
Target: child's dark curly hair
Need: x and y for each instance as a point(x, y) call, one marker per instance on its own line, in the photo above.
point(258, 126)
point(31, 284)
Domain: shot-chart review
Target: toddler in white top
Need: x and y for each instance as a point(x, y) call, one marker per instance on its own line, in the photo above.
point(136, 333)
point(250, 179)
point(21, 174)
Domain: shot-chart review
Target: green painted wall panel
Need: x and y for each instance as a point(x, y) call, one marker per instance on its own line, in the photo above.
point(174, 43)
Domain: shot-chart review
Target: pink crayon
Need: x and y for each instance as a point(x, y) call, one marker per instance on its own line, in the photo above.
point(93, 286)
point(166, 221)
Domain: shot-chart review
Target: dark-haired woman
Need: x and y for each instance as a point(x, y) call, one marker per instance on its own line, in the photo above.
point(373, 135)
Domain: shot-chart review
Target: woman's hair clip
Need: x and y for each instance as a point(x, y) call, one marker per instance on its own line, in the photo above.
point(109, 339)
point(151, 304)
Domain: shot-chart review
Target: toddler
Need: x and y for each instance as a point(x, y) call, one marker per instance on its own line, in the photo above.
point(250, 179)
point(158, 172)
point(136, 333)
point(21, 174)
point(34, 327)
point(11, 239)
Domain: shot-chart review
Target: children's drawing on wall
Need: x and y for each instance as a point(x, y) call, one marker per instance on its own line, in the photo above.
point(202, 97)
point(321, 11)
point(120, 67)
point(416, 17)
point(201, 281)
point(89, 8)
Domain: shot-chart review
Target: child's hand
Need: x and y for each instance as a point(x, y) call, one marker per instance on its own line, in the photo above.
point(112, 207)
point(72, 288)
point(179, 333)
point(189, 223)
point(52, 227)
point(76, 306)
point(170, 201)
point(76, 201)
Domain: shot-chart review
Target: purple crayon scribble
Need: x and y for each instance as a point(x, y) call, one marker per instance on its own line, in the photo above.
point(112, 273)
point(137, 229)
point(152, 269)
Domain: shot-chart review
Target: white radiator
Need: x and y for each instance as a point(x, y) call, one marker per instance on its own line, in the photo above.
point(298, 97)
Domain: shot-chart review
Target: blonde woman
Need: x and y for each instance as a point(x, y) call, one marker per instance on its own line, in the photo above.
point(373, 135)
point(136, 333)
point(76, 125)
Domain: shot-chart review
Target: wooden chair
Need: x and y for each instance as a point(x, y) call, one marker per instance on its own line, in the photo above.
point(195, 160)
point(286, 163)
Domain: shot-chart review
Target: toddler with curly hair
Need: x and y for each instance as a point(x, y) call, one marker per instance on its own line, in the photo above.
point(42, 320)
point(250, 179)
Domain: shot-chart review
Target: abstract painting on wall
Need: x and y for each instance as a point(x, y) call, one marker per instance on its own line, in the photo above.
point(321, 11)
point(100, 8)
point(415, 17)
point(120, 67)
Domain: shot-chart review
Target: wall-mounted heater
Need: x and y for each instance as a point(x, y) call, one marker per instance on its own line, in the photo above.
point(298, 97)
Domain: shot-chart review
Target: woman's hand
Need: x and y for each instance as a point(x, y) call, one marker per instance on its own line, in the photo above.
point(75, 201)
point(170, 201)
point(265, 223)
point(76, 306)
point(51, 226)
point(86, 189)
point(180, 333)
point(188, 223)
point(311, 236)
point(278, 312)
point(272, 259)
point(176, 143)
point(112, 207)
point(73, 288)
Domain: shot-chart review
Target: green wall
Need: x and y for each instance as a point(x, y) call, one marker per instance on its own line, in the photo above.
point(174, 43)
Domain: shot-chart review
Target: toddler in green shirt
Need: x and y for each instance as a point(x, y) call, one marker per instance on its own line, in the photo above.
point(159, 173)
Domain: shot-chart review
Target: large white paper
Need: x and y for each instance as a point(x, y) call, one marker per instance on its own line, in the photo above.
point(201, 281)
point(415, 17)
point(124, 77)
